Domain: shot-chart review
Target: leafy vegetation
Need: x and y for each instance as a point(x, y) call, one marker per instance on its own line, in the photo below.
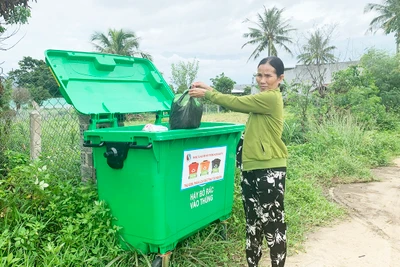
point(34, 75)
point(223, 83)
point(359, 90)
point(385, 70)
point(6, 117)
point(60, 222)
point(49, 221)
point(51, 218)
point(183, 74)
point(13, 12)
point(8, 6)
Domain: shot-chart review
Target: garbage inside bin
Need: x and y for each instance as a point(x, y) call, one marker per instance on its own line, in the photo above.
point(154, 128)
point(158, 184)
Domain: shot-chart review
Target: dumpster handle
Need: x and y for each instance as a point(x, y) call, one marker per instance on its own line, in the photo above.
point(89, 144)
point(134, 145)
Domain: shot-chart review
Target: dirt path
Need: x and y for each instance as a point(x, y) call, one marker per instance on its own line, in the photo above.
point(371, 235)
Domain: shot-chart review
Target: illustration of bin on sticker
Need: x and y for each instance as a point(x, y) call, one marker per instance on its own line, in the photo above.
point(204, 167)
point(215, 165)
point(193, 167)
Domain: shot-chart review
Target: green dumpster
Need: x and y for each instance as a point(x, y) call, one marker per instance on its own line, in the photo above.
point(160, 186)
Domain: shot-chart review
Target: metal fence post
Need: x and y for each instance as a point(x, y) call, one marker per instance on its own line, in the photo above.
point(35, 134)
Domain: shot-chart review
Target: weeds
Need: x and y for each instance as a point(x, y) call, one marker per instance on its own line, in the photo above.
point(48, 218)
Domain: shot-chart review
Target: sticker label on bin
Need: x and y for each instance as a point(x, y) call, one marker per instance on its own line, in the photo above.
point(202, 166)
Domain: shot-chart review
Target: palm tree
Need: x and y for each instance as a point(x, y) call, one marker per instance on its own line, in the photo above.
point(119, 42)
point(388, 19)
point(317, 51)
point(271, 30)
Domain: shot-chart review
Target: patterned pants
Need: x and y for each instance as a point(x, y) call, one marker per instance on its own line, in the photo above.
point(263, 193)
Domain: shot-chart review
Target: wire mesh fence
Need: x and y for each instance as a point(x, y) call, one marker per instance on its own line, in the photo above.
point(51, 130)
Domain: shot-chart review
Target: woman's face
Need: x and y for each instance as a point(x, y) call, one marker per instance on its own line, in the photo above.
point(266, 77)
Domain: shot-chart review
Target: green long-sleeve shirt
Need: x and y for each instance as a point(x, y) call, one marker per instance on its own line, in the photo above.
point(263, 147)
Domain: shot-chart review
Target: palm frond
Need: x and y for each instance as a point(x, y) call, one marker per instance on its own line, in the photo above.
point(317, 49)
point(370, 6)
point(388, 18)
point(119, 42)
point(146, 55)
point(271, 30)
point(256, 52)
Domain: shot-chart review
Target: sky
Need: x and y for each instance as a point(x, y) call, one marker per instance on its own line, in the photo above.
point(210, 31)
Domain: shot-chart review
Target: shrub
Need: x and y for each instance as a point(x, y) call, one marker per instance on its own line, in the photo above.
point(48, 221)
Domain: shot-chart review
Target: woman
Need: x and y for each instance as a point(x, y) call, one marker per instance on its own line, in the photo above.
point(263, 160)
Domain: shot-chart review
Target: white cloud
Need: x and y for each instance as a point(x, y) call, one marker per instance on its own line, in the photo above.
point(208, 30)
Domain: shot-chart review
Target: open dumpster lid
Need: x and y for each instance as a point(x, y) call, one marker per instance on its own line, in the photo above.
point(96, 83)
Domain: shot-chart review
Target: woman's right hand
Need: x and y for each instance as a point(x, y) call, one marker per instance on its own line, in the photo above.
point(199, 89)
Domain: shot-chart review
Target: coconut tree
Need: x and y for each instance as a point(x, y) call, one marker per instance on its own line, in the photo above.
point(388, 18)
point(316, 53)
point(119, 42)
point(317, 50)
point(271, 31)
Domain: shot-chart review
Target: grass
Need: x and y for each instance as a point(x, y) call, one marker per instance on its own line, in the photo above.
point(232, 117)
point(226, 117)
point(64, 224)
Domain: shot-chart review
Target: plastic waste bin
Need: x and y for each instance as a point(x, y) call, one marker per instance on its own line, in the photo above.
point(160, 186)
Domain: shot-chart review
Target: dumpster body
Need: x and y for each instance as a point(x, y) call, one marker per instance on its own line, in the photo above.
point(161, 187)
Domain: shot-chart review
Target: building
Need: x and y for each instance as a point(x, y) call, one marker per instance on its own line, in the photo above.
point(305, 73)
point(239, 88)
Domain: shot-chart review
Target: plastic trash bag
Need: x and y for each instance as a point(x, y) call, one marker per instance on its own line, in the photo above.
point(186, 112)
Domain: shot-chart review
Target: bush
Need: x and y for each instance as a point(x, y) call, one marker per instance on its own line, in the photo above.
point(340, 149)
point(48, 221)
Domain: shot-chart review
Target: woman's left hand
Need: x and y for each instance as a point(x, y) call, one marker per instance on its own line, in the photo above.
point(197, 92)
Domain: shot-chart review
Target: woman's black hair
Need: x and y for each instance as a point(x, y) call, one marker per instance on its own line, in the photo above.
point(275, 62)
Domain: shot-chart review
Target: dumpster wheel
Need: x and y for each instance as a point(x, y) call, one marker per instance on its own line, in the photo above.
point(161, 260)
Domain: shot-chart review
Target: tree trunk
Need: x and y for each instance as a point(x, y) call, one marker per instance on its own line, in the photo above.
point(269, 48)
